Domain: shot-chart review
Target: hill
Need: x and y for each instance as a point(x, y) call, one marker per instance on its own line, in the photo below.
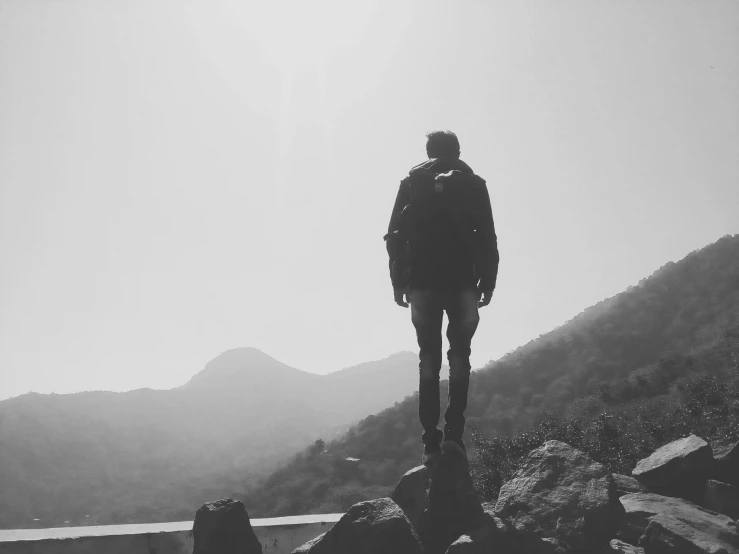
point(155, 455)
point(664, 343)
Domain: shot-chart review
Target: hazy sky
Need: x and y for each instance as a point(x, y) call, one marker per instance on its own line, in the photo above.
point(181, 178)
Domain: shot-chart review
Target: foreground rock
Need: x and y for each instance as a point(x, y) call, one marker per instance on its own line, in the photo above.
point(621, 547)
point(490, 534)
point(675, 524)
point(627, 485)
point(371, 527)
point(726, 465)
point(223, 527)
point(411, 493)
point(679, 468)
point(453, 506)
point(722, 498)
point(560, 494)
point(667, 535)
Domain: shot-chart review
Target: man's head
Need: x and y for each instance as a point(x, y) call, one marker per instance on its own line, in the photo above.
point(442, 144)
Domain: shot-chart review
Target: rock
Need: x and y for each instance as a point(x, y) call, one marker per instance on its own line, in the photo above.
point(726, 465)
point(489, 535)
point(620, 547)
point(560, 493)
point(453, 506)
point(668, 535)
point(641, 508)
point(679, 468)
point(308, 547)
point(411, 493)
point(722, 498)
point(372, 527)
point(223, 527)
point(626, 485)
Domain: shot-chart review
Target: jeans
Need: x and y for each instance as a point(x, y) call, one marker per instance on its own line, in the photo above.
point(427, 312)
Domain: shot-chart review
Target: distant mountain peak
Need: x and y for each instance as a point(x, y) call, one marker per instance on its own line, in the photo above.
point(238, 364)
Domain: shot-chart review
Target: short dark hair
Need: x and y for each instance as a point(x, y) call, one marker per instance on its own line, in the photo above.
point(442, 144)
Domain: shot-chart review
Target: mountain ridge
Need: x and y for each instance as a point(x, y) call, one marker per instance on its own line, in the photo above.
point(63, 455)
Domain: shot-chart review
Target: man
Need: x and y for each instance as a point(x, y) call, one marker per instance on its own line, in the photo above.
point(443, 258)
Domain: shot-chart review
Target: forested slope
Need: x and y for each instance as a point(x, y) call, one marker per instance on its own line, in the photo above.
point(665, 346)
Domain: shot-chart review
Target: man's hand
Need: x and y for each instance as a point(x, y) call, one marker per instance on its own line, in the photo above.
point(484, 297)
point(399, 294)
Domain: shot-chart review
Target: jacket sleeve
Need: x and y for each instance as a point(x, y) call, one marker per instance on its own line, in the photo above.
point(392, 238)
point(489, 257)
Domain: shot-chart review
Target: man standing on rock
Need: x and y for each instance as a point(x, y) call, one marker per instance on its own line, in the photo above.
point(443, 258)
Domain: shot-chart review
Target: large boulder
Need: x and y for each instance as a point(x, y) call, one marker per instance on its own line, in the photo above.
point(490, 534)
point(642, 508)
point(627, 485)
point(561, 494)
point(223, 527)
point(726, 465)
point(668, 535)
point(411, 493)
point(453, 506)
point(722, 498)
point(679, 468)
point(372, 527)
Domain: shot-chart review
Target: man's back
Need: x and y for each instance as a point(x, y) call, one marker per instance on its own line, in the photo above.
point(443, 211)
point(443, 259)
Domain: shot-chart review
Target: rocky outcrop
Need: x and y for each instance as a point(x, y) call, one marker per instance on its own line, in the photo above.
point(560, 501)
point(453, 506)
point(490, 534)
point(626, 485)
point(726, 465)
point(560, 493)
point(667, 535)
point(371, 527)
point(722, 498)
point(677, 521)
point(223, 527)
point(679, 468)
point(411, 493)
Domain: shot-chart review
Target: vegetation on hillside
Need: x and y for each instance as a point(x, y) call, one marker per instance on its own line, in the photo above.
point(627, 375)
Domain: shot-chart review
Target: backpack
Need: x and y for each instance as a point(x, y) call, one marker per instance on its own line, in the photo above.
point(437, 228)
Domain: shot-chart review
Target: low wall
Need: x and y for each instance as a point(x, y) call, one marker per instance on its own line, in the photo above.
point(280, 535)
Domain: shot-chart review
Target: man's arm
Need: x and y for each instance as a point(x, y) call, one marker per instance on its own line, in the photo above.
point(489, 257)
point(393, 245)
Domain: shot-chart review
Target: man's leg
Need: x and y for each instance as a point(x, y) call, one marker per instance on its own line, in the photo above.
point(427, 314)
point(461, 309)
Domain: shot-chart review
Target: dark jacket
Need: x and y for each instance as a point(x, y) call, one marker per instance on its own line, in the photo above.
point(445, 268)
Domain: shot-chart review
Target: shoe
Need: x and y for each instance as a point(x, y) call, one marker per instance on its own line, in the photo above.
point(431, 454)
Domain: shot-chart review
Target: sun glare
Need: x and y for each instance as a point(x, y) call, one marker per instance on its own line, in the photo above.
point(299, 34)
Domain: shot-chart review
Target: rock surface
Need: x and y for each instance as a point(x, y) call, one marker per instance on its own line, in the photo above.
point(560, 493)
point(642, 508)
point(626, 485)
point(489, 535)
point(679, 468)
point(411, 493)
point(621, 547)
point(722, 498)
point(223, 527)
point(668, 535)
point(726, 465)
point(372, 527)
point(453, 506)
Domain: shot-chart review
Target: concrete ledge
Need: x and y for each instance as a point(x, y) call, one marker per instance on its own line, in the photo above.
point(280, 535)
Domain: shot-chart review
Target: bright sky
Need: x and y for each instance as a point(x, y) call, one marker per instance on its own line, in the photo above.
point(182, 178)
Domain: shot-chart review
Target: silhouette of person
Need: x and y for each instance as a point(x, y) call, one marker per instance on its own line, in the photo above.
point(443, 254)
